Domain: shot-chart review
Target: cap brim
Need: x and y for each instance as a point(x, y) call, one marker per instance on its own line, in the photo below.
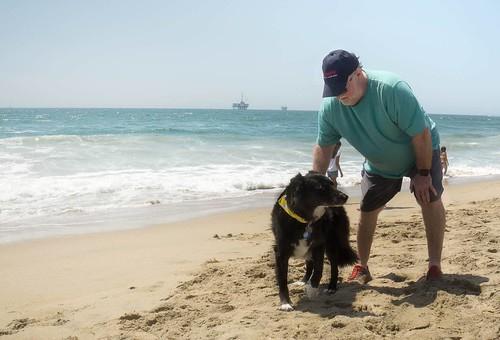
point(334, 87)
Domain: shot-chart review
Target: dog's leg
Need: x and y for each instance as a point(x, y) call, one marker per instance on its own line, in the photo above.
point(282, 278)
point(312, 288)
point(309, 270)
point(334, 270)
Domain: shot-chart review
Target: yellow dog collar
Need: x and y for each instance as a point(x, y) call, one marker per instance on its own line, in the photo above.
point(282, 202)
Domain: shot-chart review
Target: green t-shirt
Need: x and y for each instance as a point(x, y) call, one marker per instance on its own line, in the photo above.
point(380, 126)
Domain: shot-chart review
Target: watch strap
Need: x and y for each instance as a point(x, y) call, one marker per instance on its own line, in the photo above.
point(424, 172)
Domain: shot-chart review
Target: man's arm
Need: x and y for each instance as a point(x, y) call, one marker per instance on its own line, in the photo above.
point(422, 145)
point(321, 158)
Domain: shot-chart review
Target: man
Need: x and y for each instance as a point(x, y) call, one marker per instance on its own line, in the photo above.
point(380, 117)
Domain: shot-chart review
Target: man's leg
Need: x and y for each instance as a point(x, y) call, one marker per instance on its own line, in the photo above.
point(364, 237)
point(376, 192)
point(435, 221)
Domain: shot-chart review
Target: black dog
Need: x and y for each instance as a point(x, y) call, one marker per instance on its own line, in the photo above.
point(308, 220)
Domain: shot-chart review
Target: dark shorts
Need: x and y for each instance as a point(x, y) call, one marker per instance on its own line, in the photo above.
point(376, 190)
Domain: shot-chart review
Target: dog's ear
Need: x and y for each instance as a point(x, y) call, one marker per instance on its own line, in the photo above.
point(297, 180)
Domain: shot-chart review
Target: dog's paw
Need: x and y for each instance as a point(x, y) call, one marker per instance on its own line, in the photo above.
point(298, 283)
point(286, 307)
point(329, 291)
point(311, 292)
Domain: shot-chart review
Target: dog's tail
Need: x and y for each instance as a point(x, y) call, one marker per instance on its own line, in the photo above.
point(340, 238)
point(347, 256)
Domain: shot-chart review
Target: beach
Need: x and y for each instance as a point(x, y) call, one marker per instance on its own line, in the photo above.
point(212, 277)
point(143, 147)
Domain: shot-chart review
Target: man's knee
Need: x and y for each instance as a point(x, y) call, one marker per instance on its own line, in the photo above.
point(372, 213)
point(367, 218)
point(434, 214)
point(435, 205)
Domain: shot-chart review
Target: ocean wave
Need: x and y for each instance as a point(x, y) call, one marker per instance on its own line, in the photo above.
point(37, 139)
point(260, 186)
point(97, 191)
point(29, 195)
point(472, 171)
point(89, 162)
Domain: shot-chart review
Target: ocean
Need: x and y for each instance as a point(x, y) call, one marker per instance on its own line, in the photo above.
point(70, 171)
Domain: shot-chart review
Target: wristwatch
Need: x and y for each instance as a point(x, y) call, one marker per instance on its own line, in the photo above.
point(424, 172)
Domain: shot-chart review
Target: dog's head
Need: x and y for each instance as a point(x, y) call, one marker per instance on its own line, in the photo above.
point(306, 193)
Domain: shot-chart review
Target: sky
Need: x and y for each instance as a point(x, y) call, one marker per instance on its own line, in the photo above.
point(205, 54)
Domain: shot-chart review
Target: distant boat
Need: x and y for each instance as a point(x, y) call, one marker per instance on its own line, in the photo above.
point(284, 108)
point(241, 105)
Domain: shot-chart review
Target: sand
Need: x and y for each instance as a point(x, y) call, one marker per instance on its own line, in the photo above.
point(181, 281)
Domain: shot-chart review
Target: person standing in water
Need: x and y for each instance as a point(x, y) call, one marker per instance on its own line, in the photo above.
point(334, 168)
point(444, 160)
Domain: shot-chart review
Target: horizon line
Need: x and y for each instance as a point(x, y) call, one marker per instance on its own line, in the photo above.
point(207, 108)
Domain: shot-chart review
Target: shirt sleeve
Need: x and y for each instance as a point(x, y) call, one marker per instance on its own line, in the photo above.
point(408, 114)
point(327, 133)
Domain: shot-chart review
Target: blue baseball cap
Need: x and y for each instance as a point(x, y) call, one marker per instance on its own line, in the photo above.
point(337, 66)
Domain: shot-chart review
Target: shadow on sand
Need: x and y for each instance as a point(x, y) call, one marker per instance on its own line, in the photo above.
point(397, 208)
point(340, 303)
point(423, 293)
point(419, 294)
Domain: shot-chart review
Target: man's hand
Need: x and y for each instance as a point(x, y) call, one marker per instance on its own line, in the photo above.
point(422, 186)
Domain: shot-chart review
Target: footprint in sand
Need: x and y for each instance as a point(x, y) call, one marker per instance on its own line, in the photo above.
point(130, 316)
point(395, 277)
point(16, 325)
point(20, 323)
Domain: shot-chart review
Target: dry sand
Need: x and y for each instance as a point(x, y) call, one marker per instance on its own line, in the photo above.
point(179, 281)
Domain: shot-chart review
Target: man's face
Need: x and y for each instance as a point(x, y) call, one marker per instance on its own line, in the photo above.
point(355, 89)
